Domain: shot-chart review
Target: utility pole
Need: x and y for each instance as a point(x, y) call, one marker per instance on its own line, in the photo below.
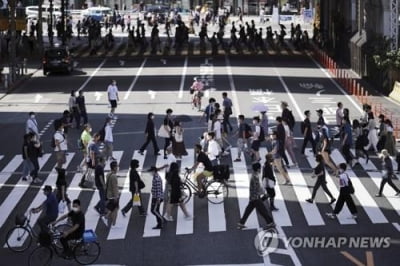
point(12, 45)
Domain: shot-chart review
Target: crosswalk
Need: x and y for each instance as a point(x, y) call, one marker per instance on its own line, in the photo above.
point(217, 221)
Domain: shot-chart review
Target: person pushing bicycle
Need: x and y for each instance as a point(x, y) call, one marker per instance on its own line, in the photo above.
point(76, 231)
point(202, 158)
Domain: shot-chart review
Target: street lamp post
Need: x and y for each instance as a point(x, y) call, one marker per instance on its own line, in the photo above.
point(13, 52)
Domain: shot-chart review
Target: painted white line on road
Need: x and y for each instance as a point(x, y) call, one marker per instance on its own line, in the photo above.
point(16, 194)
point(128, 92)
point(184, 71)
point(361, 193)
point(397, 226)
point(345, 213)
point(184, 227)
point(92, 75)
point(10, 168)
point(357, 106)
point(236, 107)
point(242, 184)
point(376, 177)
point(37, 201)
point(121, 226)
point(281, 217)
point(216, 216)
point(91, 215)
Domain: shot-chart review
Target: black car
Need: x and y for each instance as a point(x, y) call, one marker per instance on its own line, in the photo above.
point(57, 59)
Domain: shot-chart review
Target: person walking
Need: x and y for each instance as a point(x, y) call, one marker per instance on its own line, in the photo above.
point(281, 138)
point(168, 126)
point(150, 135)
point(80, 101)
point(27, 163)
point(278, 158)
point(227, 112)
point(31, 125)
point(213, 149)
point(243, 133)
point(306, 130)
point(112, 195)
point(100, 183)
point(61, 188)
point(361, 140)
point(269, 181)
point(85, 139)
point(108, 140)
point(258, 136)
point(324, 148)
point(255, 201)
point(319, 173)
point(157, 196)
point(390, 143)
point(289, 142)
point(74, 110)
point(381, 133)
point(60, 142)
point(344, 194)
point(372, 134)
point(178, 144)
point(175, 198)
point(388, 173)
point(34, 152)
point(113, 98)
point(347, 142)
point(135, 186)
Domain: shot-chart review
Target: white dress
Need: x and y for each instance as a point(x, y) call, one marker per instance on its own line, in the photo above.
point(372, 135)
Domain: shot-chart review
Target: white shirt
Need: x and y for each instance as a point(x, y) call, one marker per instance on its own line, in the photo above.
point(257, 131)
point(59, 136)
point(32, 126)
point(339, 116)
point(213, 150)
point(112, 91)
point(108, 136)
point(217, 129)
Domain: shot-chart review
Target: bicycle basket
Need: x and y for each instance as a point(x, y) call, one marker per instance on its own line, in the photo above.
point(89, 236)
point(20, 219)
point(44, 239)
point(221, 172)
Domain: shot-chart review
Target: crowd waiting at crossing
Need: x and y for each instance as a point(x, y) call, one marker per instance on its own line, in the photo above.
point(367, 136)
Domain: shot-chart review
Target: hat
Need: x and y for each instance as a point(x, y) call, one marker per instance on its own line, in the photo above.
point(320, 111)
point(384, 153)
point(47, 188)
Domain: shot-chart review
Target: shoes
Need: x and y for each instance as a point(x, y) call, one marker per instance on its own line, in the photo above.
point(240, 226)
point(286, 183)
point(168, 218)
point(378, 195)
point(332, 201)
point(24, 178)
point(274, 209)
point(123, 213)
point(37, 180)
point(309, 200)
point(158, 227)
point(237, 160)
point(188, 218)
point(331, 215)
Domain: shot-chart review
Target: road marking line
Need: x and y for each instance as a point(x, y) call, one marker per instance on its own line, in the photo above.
point(10, 168)
point(50, 180)
point(242, 183)
point(92, 75)
point(236, 107)
point(397, 226)
point(184, 71)
point(121, 226)
point(184, 227)
point(128, 92)
point(366, 201)
point(91, 215)
point(17, 192)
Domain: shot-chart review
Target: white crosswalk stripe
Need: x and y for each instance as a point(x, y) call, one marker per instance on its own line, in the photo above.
point(217, 221)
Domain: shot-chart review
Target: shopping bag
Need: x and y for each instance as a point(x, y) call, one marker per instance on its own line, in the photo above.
point(162, 132)
point(136, 200)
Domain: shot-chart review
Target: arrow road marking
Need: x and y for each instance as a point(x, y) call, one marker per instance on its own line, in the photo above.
point(38, 97)
point(98, 95)
point(319, 92)
point(152, 94)
point(184, 70)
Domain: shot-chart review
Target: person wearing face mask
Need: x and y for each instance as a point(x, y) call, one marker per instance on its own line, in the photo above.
point(150, 135)
point(77, 219)
point(32, 125)
point(50, 206)
point(344, 194)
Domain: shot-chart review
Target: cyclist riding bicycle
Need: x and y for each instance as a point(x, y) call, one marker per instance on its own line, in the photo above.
point(197, 89)
point(50, 205)
point(78, 227)
point(202, 158)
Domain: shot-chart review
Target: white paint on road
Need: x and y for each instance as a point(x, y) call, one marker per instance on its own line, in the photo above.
point(128, 92)
point(38, 97)
point(184, 71)
point(98, 95)
point(92, 75)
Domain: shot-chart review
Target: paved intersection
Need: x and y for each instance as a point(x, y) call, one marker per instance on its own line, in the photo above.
point(152, 85)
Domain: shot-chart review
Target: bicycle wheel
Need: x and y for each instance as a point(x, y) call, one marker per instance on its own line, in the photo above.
point(86, 253)
point(186, 193)
point(59, 229)
point(216, 192)
point(19, 239)
point(40, 256)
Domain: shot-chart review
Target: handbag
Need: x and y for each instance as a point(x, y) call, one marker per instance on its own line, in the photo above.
point(136, 200)
point(141, 184)
point(163, 133)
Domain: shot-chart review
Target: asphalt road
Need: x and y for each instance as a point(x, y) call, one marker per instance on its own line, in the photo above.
point(151, 85)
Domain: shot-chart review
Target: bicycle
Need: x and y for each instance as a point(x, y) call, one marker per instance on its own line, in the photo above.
point(216, 190)
point(85, 251)
point(24, 233)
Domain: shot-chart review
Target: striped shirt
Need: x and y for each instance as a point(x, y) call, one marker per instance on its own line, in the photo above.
point(157, 187)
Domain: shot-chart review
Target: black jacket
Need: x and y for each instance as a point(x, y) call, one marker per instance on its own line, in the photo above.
point(150, 128)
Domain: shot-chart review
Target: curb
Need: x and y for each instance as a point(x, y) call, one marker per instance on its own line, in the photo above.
point(19, 82)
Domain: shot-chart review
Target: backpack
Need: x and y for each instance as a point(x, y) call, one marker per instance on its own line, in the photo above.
point(247, 131)
point(302, 127)
point(261, 137)
point(291, 120)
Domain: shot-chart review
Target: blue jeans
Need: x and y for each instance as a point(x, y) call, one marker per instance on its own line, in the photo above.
point(27, 167)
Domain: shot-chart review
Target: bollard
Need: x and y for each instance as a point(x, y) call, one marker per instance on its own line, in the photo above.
point(25, 66)
point(6, 78)
point(362, 94)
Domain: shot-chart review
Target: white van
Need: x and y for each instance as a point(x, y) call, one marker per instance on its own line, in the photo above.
point(97, 13)
point(34, 11)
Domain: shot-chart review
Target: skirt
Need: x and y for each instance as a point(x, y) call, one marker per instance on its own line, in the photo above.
point(178, 149)
point(390, 144)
